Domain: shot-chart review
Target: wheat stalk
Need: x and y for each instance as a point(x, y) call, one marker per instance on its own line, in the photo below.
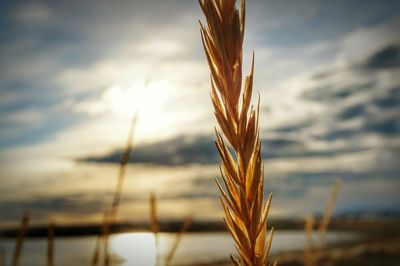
point(242, 172)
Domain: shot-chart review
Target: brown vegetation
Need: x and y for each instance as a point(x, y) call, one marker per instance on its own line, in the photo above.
point(242, 172)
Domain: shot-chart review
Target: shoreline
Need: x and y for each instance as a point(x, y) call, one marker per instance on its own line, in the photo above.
point(371, 226)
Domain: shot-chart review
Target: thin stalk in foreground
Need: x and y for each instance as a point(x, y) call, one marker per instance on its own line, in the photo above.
point(111, 215)
point(184, 227)
point(20, 239)
point(154, 222)
point(50, 244)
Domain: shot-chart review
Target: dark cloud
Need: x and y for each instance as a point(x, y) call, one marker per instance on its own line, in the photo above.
point(356, 92)
point(383, 127)
point(386, 127)
point(373, 107)
point(295, 185)
point(388, 57)
point(180, 150)
point(200, 149)
point(42, 206)
point(390, 100)
point(331, 93)
point(353, 111)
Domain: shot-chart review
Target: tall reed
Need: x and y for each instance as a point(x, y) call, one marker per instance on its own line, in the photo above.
point(20, 239)
point(242, 172)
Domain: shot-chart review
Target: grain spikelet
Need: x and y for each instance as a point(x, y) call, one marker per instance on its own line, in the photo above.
point(242, 172)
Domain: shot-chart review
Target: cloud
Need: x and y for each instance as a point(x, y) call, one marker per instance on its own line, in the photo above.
point(200, 149)
point(52, 53)
point(43, 206)
point(179, 150)
point(32, 12)
point(388, 57)
point(72, 74)
point(358, 102)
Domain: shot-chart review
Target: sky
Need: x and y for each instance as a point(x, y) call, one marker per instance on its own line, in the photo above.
point(73, 74)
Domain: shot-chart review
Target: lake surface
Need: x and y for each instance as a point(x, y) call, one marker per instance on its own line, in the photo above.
point(140, 249)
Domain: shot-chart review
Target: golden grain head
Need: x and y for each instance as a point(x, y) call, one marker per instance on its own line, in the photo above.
point(242, 171)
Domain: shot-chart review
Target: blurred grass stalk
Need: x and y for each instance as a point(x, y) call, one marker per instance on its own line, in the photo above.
point(154, 223)
point(50, 244)
point(184, 227)
point(311, 255)
point(242, 172)
point(110, 215)
point(20, 239)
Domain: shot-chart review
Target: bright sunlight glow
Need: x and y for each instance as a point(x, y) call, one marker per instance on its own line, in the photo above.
point(135, 248)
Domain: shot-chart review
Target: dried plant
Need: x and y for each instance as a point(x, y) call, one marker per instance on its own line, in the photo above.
point(242, 172)
point(96, 252)
point(311, 255)
point(110, 215)
point(154, 222)
point(185, 226)
point(50, 244)
point(308, 251)
point(20, 239)
point(327, 217)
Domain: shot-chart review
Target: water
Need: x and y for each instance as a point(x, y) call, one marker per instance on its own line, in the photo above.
point(139, 248)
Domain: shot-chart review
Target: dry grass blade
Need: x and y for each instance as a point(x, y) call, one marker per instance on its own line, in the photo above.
point(328, 213)
point(96, 252)
point(50, 244)
point(154, 221)
point(111, 215)
point(311, 255)
point(100, 239)
point(20, 239)
point(185, 226)
point(326, 219)
point(308, 251)
point(242, 172)
point(121, 174)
